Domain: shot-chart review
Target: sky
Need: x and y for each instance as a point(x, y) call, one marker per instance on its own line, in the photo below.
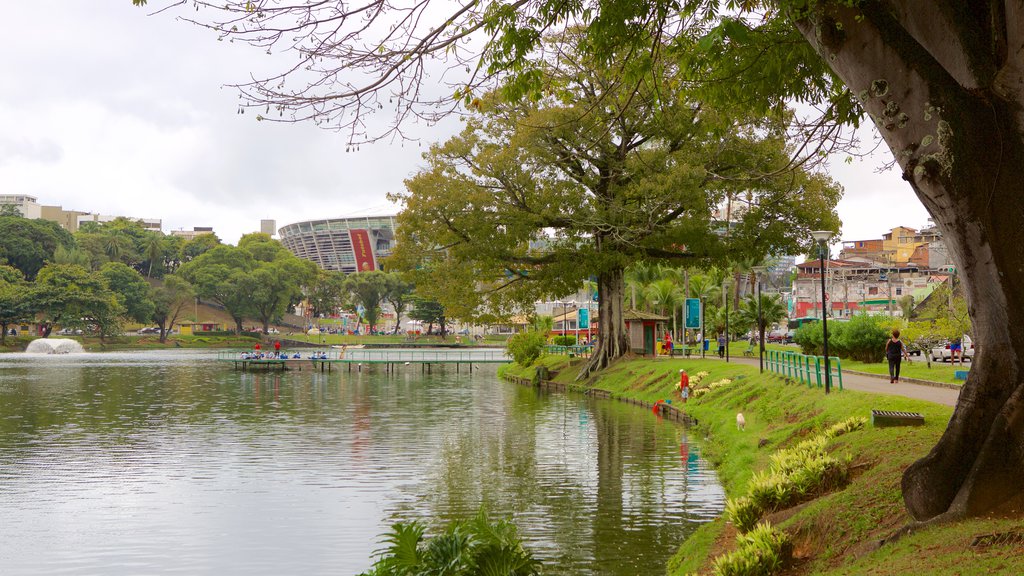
point(105, 108)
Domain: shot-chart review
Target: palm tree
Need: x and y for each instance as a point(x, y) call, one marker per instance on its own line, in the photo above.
point(772, 310)
point(638, 276)
point(154, 250)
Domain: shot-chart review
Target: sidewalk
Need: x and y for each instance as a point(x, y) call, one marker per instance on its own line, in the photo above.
point(878, 385)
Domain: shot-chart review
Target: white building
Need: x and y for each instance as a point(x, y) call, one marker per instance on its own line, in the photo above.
point(154, 224)
point(27, 205)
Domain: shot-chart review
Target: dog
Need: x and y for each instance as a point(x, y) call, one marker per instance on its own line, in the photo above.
point(741, 422)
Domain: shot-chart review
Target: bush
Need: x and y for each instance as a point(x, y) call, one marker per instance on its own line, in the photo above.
point(566, 340)
point(761, 552)
point(861, 338)
point(525, 347)
point(478, 546)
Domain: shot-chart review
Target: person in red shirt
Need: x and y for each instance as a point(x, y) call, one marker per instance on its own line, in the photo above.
point(277, 346)
point(684, 385)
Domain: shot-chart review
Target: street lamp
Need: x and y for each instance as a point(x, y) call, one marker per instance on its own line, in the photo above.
point(821, 237)
point(759, 270)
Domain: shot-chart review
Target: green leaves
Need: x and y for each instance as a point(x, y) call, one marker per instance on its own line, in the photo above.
point(478, 547)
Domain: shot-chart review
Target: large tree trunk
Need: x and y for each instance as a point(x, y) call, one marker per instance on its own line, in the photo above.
point(612, 340)
point(945, 87)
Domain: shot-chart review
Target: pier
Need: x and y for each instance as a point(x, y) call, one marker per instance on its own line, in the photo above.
point(390, 358)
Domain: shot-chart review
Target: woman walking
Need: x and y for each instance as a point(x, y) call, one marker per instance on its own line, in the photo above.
point(895, 351)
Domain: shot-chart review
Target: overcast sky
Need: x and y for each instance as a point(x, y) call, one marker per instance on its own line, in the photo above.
point(106, 109)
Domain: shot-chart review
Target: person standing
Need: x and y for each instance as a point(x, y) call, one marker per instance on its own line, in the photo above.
point(721, 345)
point(895, 351)
point(956, 348)
point(277, 347)
point(684, 385)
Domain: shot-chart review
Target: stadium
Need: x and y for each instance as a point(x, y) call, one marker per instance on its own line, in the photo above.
point(345, 244)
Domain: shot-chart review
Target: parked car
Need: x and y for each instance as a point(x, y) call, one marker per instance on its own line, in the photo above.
point(943, 353)
point(149, 330)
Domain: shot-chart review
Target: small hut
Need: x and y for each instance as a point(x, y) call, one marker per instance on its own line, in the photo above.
point(643, 328)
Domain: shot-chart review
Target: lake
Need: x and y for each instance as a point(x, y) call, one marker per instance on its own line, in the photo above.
point(174, 463)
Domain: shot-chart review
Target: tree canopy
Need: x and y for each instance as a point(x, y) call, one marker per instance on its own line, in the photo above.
point(533, 198)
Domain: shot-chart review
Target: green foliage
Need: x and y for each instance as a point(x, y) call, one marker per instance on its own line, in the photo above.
point(762, 551)
point(860, 338)
point(170, 300)
point(72, 296)
point(526, 347)
point(552, 170)
point(28, 244)
point(131, 290)
point(368, 289)
point(794, 474)
point(15, 307)
point(431, 312)
point(478, 547)
point(566, 340)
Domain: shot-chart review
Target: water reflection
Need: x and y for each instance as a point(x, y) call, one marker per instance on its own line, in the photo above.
point(165, 463)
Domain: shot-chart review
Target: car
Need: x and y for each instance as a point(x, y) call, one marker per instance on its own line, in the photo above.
point(944, 354)
point(149, 330)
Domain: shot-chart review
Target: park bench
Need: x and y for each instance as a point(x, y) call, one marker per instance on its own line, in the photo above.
point(883, 418)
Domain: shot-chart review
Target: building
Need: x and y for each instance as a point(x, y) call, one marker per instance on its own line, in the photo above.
point(852, 287)
point(191, 234)
point(67, 219)
point(154, 224)
point(343, 244)
point(901, 245)
point(268, 227)
point(27, 205)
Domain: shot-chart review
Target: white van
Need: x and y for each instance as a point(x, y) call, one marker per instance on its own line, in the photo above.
point(943, 353)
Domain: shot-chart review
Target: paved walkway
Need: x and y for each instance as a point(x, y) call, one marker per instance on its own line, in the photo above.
point(881, 385)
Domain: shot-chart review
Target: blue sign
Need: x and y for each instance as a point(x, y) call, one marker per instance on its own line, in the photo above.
point(693, 313)
point(583, 318)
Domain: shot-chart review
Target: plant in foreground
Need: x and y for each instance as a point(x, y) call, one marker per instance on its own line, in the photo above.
point(760, 552)
point(470, 548)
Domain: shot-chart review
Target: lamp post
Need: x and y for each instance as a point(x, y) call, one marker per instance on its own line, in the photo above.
point(821, 237)
point(759, 270)
point(725, 291)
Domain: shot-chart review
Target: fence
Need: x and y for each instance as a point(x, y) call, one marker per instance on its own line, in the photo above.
point(570, 350)
point(809, 370)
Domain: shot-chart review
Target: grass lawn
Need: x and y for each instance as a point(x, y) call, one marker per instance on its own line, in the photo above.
point(833, 533)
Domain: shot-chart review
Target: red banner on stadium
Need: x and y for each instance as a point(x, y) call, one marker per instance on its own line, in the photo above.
point(362, 249)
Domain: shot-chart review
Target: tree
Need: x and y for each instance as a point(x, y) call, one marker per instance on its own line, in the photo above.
point(197, 246)
point(942, 86)
point(326, 293)
point(72, 296)
point(399, 294)
point(28, 244)
point(773, 310)
point(222, 274)
point(367, 290)
point(535, 197)
point(170, 300)
point(430, 312)
point(131, 290)
point(14, 306)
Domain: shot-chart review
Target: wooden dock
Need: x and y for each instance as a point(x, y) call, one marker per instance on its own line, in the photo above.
point(391, 359)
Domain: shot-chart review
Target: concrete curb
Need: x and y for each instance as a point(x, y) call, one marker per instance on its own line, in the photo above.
point(908, 380)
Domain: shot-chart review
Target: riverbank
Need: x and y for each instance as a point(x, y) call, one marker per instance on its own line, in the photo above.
point(835, 533)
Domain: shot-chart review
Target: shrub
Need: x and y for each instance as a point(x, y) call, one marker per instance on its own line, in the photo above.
point(566, 340)
point(525, 347)
point(760, 552)
point(743, 513)
point(479, 546)
point(861, 338)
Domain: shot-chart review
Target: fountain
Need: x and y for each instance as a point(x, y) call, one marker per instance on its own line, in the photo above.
point(54, 346)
